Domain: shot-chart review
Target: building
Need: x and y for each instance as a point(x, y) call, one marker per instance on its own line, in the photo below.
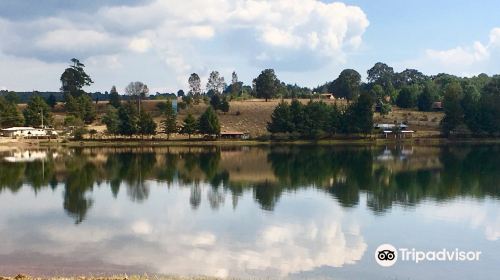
point(234, 135)
point(437, 106)
point(28, 132)
point(390, 126)
point(326, 95)
point(398, 130)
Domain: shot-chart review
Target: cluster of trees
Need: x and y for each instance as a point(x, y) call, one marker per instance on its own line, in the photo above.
point(36, 113)
point(317, 119)
point(207, 123)
point(469, 110)
point(127, 118)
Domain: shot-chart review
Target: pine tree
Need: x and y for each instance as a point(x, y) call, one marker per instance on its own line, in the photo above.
point(9, 115)
point(169, 123)
point(209, 122)
point(114, 97)
point(453, 113)
point(281, 121)
point(224, 105)
point(146, 125)
point(189, 125)
point(34, 111)
point(111, 120)
point(128, 117)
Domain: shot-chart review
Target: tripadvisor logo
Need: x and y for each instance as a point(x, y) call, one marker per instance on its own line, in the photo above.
point(387, 255)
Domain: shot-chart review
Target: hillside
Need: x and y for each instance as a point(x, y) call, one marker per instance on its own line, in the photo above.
point(252, 116)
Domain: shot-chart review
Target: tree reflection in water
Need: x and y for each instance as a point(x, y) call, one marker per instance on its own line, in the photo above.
point(388, 175)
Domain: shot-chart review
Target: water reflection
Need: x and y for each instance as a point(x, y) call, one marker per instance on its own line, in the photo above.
point(245, 212)
point(389, 175)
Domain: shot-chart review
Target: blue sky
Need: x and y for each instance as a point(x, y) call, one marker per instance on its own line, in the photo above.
point(160, 42)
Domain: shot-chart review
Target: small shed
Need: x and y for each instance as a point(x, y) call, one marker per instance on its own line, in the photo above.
point(234, 135)
point(326, 95)
point(437, 106)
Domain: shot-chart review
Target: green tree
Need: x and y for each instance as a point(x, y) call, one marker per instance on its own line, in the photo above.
point(74, 78)
point(407, 97)
point(385, 108)
point(281, 119)
point(72, 121)
point(297, 116)
point(335, 120)
point(146, 124)
point(317, 119)
point(471, 108)
point(381, 74)
point(215, 101)
point(347, 84)
point(409, 77)
point(363, 110)
point(9, 114)
point(189, 125)
point(453, 113)
point(359, 116)
point(224, 105)
point(114, 97)
point(52, 101)
point(427, 97)
point(378, 93)
point(266, 84)
point(490, 106)
point(129, 119)
point(36, 111)
point(209, 122)
point(112, 120)
point(81, 107)
point(12, 97)
point(170, 121)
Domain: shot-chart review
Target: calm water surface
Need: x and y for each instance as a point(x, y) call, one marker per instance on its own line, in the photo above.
point(275, 212)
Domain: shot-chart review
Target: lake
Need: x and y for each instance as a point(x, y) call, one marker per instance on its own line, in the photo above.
point(315, 212)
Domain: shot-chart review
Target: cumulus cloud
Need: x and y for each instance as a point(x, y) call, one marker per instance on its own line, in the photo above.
point(294, 34)
point(461, 60)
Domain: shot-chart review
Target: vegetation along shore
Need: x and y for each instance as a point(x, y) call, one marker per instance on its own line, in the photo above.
point(389, 106)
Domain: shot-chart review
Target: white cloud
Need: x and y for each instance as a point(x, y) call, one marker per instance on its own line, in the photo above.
point(140, 45)
point(190, 35)
point(461, 60)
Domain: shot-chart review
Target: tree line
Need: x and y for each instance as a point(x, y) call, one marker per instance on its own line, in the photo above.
point(470, 104)
point(317, 119)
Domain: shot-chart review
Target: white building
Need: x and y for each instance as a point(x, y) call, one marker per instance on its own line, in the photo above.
point(27, 132)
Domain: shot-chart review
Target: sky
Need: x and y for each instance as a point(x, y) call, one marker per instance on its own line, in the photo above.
point(308, 42)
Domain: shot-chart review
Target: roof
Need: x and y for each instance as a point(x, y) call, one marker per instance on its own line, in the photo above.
point(16, 128)
point(389, 125)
